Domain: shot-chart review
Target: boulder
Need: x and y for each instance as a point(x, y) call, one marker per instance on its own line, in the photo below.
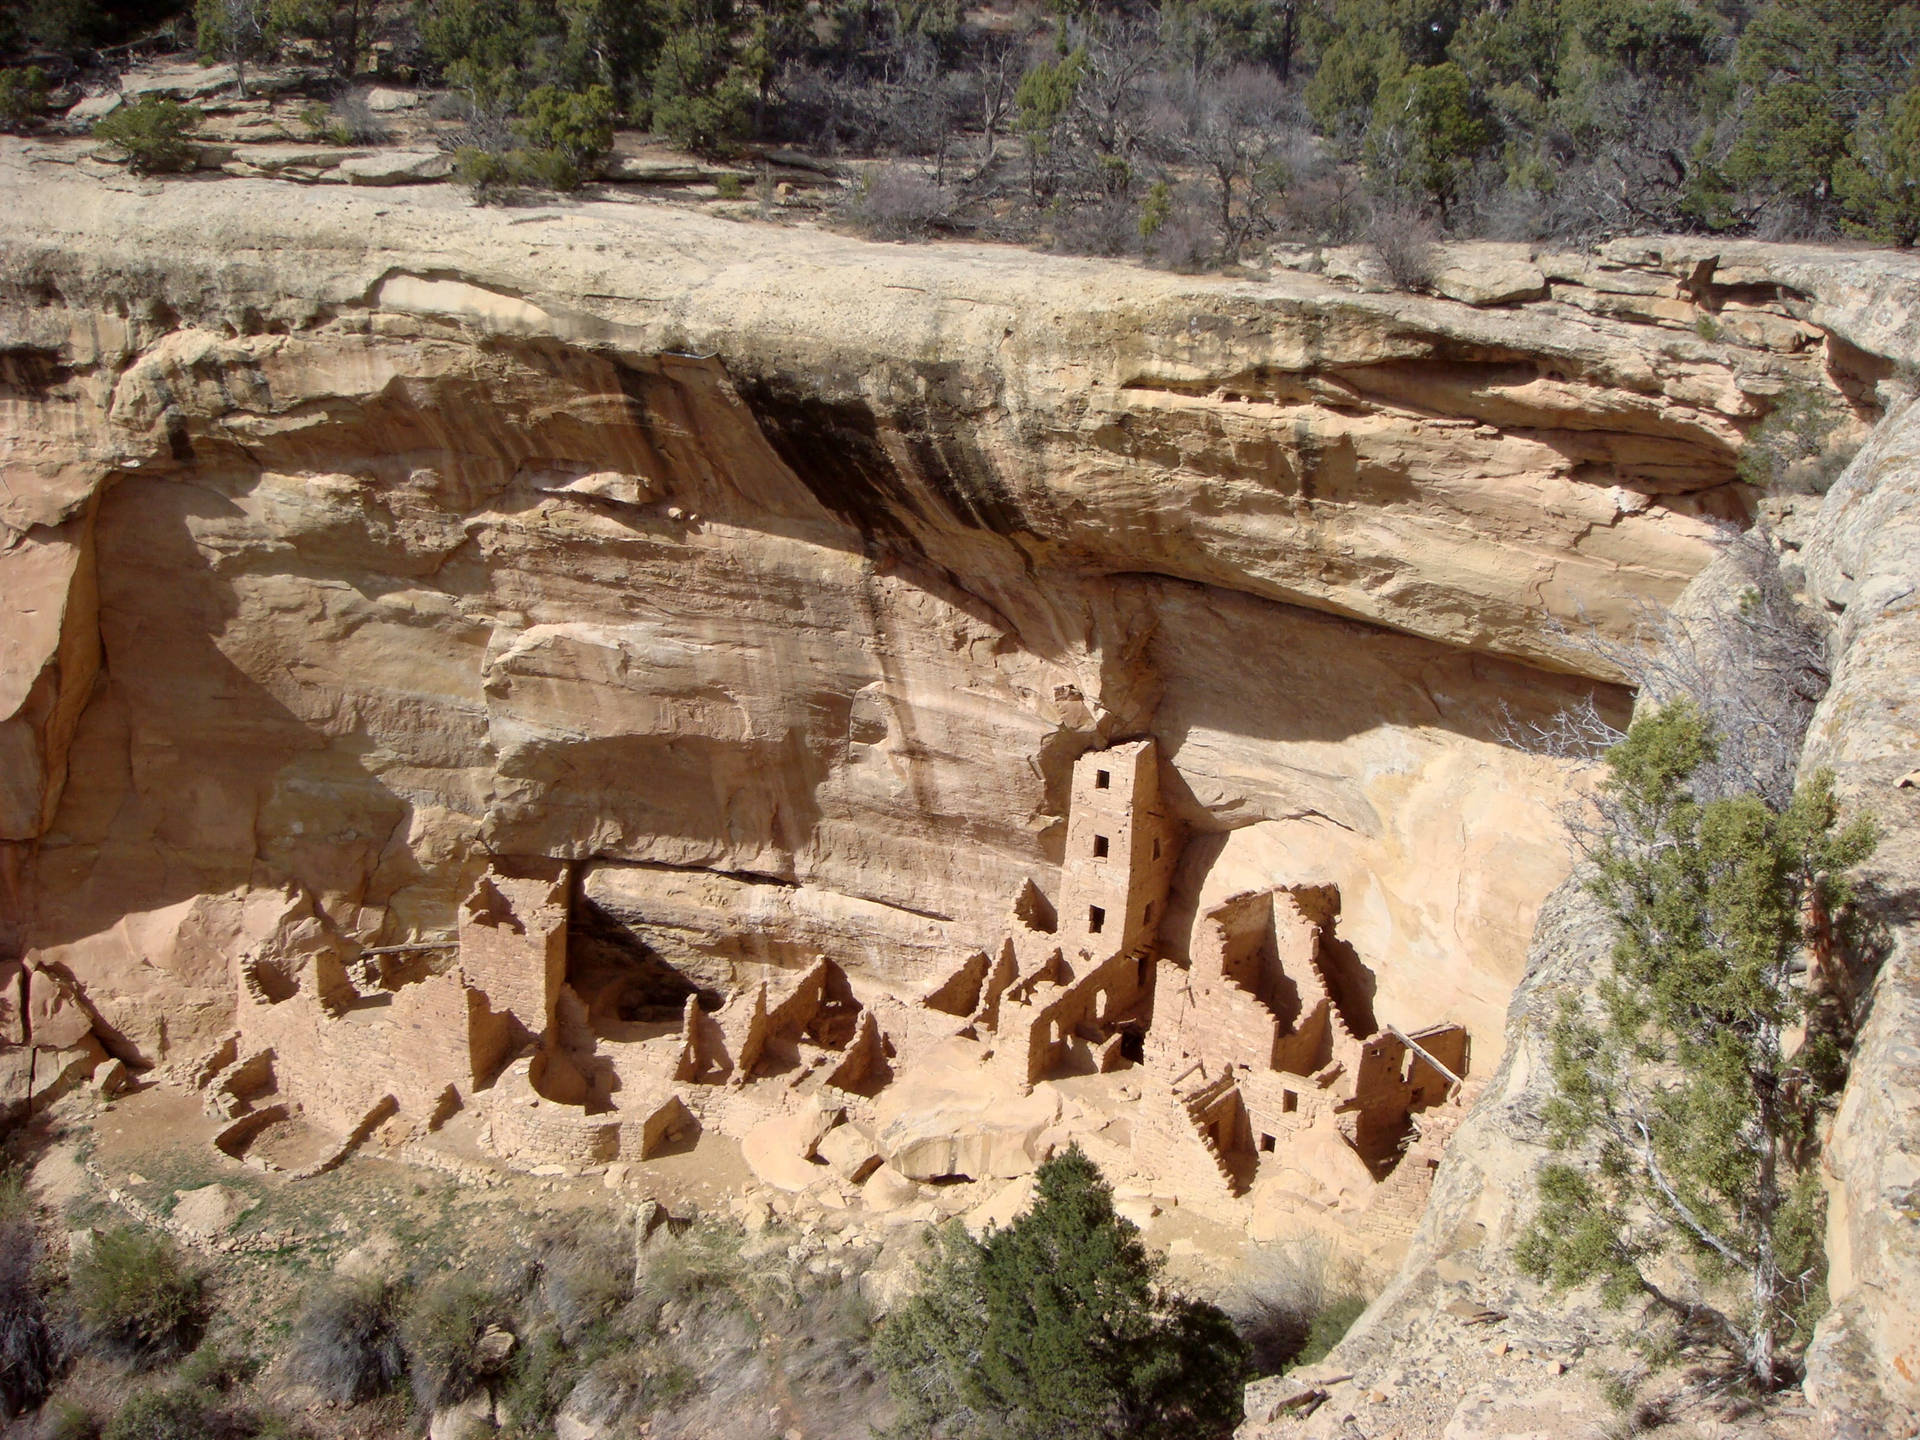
point(384, 100)
point(981, 1140)
point(397, 167)
point(1489, 274)
point(1525, 1410)
point(113, 1079)
point(495, 1348)
point(54, 1013)
point(770, 1149)
point(887, 1189)
point(13, 1028)
point(210, 1211)
point(812, 1124)
point(849, 1153)
point(1003, 1207)
point(471, 1418)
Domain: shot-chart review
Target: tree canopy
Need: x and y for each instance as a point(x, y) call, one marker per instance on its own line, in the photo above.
point(1058, 1328)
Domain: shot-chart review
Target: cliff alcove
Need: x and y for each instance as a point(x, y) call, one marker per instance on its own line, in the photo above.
point(604, 678)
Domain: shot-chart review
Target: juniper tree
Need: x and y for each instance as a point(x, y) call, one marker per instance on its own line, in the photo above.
point(1056, 1328)
point(1694, 1094)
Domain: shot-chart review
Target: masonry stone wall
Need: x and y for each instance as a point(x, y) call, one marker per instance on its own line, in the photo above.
point(1119, 852)
point(513, 939)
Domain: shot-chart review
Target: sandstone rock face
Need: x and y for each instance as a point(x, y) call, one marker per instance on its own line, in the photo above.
point(1864, 562)
point(1863, 1367)
point(351, 537)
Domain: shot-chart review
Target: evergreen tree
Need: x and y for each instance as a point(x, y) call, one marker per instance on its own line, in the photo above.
point(1698, 1087)
point(701, 96)
point(1810, 70)
point(1426, 133)
point(1056, 1328)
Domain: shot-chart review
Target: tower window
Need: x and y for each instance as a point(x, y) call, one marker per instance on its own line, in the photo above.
point(1156, 849)
point(1266, 1144)
point(1289, 1102)
point(1102, 779)
point(1096, 917)
point(1099, 847)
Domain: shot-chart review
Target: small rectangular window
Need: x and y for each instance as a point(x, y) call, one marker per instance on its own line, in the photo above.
point(1102, 779)
point(1289, 1102)
point(1266, 1144)
point(1156, 849)
point(1096, 917)
point(1099, 847)
point(1148, 917)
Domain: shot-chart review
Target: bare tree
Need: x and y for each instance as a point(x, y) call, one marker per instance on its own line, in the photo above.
point(1755, 665)
point(1110, 101)
point(1241, 129)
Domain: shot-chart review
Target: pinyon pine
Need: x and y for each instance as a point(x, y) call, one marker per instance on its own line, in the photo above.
point(1693, 1097)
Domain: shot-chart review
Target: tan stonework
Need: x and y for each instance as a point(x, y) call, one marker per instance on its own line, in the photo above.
point(1255, 1069)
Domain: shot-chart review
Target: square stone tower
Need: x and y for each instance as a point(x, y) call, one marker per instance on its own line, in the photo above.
point(513, 939)
point(1120, 852)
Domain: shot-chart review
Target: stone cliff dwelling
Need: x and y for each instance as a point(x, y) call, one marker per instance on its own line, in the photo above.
point(1253, 1075)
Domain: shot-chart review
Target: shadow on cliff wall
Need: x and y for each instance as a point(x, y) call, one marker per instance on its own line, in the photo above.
point(189, 776)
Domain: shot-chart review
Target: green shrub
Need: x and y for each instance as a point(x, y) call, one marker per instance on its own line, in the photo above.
point(1689, 1107)
point(1792, 451)
point(136, 1299)
point(23, 98)
point(346, 1341)
point(180, 1412)
point(67, 1420)
point(216, 1365)
point(441, 1332)
point(1329, 1328)
point(29, 1354)
point(155, 133)
point(543, 1373)
point(488, 174)
point(568, 134)
point(1056, 1329)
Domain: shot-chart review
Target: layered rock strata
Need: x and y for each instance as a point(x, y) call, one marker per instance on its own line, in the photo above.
point(776, 580)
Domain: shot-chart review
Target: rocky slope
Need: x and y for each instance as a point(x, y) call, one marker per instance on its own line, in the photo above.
point(348, 538)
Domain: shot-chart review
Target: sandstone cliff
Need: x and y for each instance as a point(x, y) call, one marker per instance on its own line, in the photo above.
point(779, 578)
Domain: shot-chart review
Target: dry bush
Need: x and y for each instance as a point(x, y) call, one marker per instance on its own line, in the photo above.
point(441, 1333)
point(1755, 665)
point(29, 1351)
point(1326, 205)
point(624, 1389)
point(1404, 244)
point(898, 202)
point(585, 1274)
point(346, 1341)
point(1185, 239)
point(354, 121)
point(1099, 227)
point(134, 1298)
point(1296, 1301)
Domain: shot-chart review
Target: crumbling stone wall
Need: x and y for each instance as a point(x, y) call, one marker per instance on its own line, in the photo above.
point(513, 939)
